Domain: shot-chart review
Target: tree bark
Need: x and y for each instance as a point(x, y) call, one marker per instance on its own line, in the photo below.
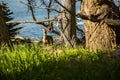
point(68, 21)
point(98, 34)
point(4, 33)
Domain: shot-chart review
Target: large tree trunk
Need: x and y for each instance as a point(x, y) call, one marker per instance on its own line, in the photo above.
point(4, 33)
point(98, 35)
point(68, 22)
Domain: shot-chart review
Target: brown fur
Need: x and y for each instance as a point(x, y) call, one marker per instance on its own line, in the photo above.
point(46, 38)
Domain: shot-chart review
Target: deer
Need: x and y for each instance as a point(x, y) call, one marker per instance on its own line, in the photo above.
point(46, 38)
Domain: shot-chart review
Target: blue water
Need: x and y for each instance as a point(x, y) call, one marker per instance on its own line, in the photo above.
point(21, 13)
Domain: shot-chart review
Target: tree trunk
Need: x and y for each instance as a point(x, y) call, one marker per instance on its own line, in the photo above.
point(98, 34)
point(4, 33)
point(68, 22)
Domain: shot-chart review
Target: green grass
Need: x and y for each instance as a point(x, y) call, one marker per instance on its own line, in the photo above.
point(32, 62)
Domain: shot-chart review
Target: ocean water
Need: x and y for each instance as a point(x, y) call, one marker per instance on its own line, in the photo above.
point(30, 30)
point(21, 13)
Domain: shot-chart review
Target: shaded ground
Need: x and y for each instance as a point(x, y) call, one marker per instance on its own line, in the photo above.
point(71, 64)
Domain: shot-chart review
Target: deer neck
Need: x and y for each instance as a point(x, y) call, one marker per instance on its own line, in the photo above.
point(44, 35)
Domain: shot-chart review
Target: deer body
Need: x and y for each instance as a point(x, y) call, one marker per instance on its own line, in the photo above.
point(46, 38)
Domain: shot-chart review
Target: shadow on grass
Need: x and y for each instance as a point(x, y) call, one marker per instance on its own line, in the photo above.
point(72, 67)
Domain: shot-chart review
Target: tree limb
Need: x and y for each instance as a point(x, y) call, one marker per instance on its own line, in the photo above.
point(31, 9)
point(62, 6)
point(40, 7)
point(113, 22)
point(41, 22)
point(28, 21)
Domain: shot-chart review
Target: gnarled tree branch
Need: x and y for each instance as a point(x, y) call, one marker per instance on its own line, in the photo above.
point(40, 7)
point(28, 21)
point(113, 22)
point(41, 22)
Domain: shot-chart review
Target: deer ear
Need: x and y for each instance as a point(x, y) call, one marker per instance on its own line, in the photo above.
point(43, 29)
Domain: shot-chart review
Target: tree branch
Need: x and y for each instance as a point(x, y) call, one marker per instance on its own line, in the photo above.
point(40, 7)
point(62, 6)
point(41, 22)
point(113, 22)
point(31, 9)
point(91, 17)
point(38, 22)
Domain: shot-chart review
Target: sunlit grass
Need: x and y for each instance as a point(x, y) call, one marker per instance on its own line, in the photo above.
point(33, 62)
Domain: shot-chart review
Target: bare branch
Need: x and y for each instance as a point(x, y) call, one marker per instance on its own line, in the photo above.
point(113, 22)
point(40, 7)
point(41, 22)
point(31, 9)
point(27, 21)
point(62, 6)
point(50, 29)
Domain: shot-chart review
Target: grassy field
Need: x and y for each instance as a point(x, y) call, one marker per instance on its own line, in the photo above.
point(32, 62)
